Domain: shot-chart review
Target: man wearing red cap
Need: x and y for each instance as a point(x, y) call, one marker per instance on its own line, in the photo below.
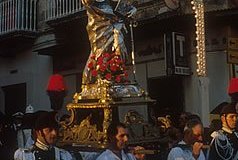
point(46, 129)
point(224, 145)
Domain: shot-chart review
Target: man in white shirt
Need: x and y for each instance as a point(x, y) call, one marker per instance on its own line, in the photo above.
point(190, 148)
point(118, 138)
point(46, 129)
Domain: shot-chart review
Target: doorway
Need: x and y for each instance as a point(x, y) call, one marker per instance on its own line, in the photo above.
point(169, 95)
point(15, 98)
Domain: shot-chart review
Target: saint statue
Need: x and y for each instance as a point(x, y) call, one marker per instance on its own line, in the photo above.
point(106, 28)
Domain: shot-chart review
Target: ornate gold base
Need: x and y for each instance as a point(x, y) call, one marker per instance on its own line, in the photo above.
point(97, 101)
point(104, 90)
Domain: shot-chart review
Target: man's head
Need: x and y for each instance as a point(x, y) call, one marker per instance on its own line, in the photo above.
point(229, 116)
point(46, 128)
point(118, 135)
point(193, 131)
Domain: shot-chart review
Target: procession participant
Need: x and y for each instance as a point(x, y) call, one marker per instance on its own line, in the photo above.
point(28, 122)
point(224, 145)
point(46, 129)
point(118, 138)
point(190, 148)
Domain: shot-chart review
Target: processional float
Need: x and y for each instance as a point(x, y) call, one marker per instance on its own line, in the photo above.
point(106, 85)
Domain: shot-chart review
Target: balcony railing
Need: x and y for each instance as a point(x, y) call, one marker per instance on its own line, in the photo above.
point(62, 8)
point(17, 15)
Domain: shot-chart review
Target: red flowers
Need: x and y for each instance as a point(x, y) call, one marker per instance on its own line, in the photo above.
point(94, 73)
point(108, 76)
point(90, 65)
point(118, 79)
point(108, 66)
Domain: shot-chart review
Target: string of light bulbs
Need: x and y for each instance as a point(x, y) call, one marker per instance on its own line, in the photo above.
point(198, 8)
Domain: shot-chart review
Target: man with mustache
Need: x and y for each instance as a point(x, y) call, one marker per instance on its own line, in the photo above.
point(190, 148)
point(46, 131)
point(118, 138)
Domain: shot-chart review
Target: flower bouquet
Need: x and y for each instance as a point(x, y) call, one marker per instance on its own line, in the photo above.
point(108, 66)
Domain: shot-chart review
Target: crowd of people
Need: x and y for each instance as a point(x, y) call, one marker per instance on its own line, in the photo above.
point(45, 134)
point(188, 145)
point(221, 144)
point(187, 141)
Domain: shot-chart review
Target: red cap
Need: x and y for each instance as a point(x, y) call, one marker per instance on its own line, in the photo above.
point(56, 83)
point(233, 87)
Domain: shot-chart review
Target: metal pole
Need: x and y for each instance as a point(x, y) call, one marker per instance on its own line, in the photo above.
point(1, 14)
point(133, 50)
point(35, 5)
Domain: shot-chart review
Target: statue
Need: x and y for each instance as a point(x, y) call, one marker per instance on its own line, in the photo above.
point(105, 29)
point(104, 79)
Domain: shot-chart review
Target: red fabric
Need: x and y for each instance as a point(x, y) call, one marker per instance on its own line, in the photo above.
point(233, 87)
point(56, 83)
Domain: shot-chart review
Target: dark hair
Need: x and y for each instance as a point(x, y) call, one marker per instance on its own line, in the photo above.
point(188, 134)
point(194, 116)
point(192, 123)
point(113, 129)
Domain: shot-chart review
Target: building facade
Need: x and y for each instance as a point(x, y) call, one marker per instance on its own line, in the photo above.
point(39, 38)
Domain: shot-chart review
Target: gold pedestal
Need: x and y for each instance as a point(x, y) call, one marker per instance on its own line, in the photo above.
point(100, 103)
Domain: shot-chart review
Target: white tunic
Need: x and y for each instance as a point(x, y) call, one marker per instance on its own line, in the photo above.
point(178, 153)
point(109, 155)
point(89, 155)
point(27, 154)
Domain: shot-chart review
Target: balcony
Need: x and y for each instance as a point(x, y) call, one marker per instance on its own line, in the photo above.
point(17, 24)
point(58, 11)
point(17, 15)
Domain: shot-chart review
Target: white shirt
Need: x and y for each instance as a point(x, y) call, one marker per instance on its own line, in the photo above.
point(27, 154)
point(29, 142)
point(178, 153)
point(109, 155)
point(89, 155)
